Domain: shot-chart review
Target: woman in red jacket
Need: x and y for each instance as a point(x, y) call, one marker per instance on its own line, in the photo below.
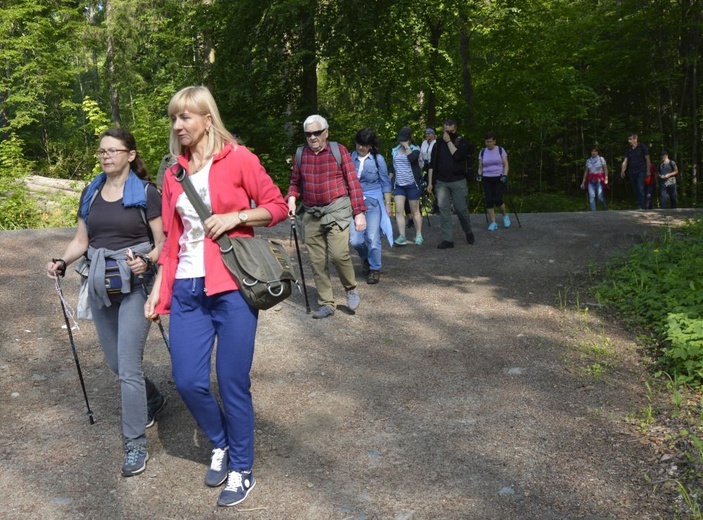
point(201, 295)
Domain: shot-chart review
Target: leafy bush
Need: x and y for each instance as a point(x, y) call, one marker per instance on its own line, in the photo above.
point(657, 288)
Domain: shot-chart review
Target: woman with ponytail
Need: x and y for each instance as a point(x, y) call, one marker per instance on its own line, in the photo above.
point(118, 239)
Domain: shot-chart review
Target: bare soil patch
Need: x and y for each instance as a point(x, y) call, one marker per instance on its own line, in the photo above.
point(461, 388)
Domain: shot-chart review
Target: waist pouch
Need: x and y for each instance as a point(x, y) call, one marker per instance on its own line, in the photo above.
point(113, 280)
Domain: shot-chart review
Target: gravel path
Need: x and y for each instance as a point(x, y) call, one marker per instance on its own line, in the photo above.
point(461, 388)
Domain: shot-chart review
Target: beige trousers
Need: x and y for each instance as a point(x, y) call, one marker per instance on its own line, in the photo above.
point(328, 243)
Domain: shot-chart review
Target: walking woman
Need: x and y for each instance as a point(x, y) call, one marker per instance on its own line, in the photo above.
point(596, 175)
point(120, 210)
point(373, 175)
point(194, 285)
point(493, 172)
point(407, 179)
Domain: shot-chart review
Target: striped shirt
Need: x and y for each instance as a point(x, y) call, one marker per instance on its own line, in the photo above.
point(403, 171)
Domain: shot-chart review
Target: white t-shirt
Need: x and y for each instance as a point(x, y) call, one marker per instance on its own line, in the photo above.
point(191, 253)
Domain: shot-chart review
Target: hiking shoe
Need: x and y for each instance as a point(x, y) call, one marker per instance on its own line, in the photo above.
point(492, 226)
point(238, 486)
point(444, 244)
point(353, 299)
point(365, 268)
point(135, 458)
point(470, 238)
point(217, 472)
point(323, 312)
point(506, 221)
point(152, 410)
point(401, 241)
point(373, 277)
point(418, 240)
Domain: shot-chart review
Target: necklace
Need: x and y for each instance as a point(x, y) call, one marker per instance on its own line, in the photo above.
point(199, 165)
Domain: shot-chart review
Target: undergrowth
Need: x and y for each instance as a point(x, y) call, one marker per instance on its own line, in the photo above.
point(656, 289)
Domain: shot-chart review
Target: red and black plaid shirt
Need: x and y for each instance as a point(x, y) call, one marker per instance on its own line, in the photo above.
point(321, 181)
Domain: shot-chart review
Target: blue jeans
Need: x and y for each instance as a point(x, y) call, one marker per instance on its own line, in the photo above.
point(122, 330)
point(668, 193)
point(637, 180)
point(595, 189)
point(196, 320)
point(448, 194)
point(368, 243)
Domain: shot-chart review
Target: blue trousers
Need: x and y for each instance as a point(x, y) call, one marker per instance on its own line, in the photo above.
point(637, 180)
point(196, 320)
point(668, 193)
point(368, 243)
point(595, 190)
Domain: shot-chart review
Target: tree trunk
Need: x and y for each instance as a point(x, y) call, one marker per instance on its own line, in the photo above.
point(431, 97)
point(468, 87)
point(308, 83)
point(110, 58)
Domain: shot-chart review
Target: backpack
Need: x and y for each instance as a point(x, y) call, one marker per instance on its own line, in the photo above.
point(500, 151)
point(334, 147)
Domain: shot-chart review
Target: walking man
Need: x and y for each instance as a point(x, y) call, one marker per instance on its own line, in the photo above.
point(332, 195)
point(448, 168)
point(667, 182)
point(637, 165)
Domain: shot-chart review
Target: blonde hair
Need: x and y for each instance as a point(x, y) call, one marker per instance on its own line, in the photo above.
point(198, 100)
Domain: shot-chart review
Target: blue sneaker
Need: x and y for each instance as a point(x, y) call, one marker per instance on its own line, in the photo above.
point(401, 241)
point(506, 221)
point(237, 489)
point(217, 472)
point(493, 226)
point(418, 240)
point(154, 409)
point(135, 458)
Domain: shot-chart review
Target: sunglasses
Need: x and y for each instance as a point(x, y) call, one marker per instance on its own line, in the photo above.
point(316, 133)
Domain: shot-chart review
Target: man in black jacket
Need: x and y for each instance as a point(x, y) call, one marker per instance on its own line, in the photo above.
point(448, 170)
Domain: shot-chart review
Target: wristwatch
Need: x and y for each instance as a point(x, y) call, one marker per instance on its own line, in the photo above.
point(243, 217)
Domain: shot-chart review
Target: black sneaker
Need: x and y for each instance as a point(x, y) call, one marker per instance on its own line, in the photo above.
point(152, 410)
point(470, 238)
point(445, 245)
point(217, 472)
point(135, 458)
point(365, 268)
point(373, 277)
point(237, 489)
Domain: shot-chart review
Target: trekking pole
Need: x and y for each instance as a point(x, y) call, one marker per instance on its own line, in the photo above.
point(73, 347)
point(157, 320)
point(293, 229)
point(514, 211)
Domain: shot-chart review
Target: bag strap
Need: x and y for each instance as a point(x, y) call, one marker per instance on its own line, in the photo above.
point(199, 205)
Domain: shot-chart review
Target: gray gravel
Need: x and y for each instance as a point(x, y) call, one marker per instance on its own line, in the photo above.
point(461, 388)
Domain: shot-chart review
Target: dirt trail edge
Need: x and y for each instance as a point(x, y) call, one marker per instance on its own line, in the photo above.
point(461, 388)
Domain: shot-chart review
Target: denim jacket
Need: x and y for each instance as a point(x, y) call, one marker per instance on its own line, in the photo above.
point(373, 178)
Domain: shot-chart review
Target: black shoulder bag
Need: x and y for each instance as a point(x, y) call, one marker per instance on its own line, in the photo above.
point(262, 268)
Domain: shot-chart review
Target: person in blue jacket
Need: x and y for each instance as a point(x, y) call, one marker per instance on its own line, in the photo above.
point(373, 174)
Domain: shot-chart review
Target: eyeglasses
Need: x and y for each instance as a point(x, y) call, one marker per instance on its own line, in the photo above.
point(316, 133)
point(110, 152)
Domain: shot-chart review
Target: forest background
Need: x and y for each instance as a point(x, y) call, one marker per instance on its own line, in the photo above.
point(551, 77)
